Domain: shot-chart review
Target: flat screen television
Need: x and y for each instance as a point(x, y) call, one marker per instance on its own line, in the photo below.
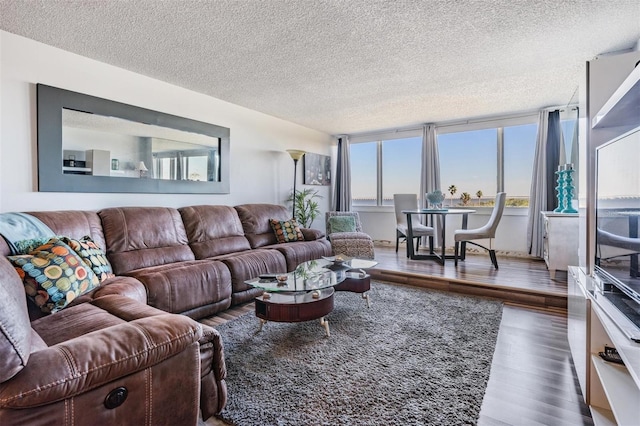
point(618, 221)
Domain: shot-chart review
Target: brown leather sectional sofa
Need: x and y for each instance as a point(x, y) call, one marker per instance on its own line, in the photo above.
point(119, 354)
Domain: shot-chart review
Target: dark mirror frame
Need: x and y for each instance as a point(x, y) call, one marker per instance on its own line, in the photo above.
point(52, 100)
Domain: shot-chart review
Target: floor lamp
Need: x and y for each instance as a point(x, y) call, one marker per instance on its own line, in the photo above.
point(295, 154)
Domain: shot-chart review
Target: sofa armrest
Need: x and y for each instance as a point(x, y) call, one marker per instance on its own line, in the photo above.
point(211, 336)
point(123, 286)
point(94, 359)
point(311, 234)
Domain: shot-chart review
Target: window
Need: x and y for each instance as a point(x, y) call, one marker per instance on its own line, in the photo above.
point(383, 168)
point(519, 152)
point(478, 158)
point(364, 172)
point(468, 161)
point(488, 160)
point(401, 165)
point(193, 165)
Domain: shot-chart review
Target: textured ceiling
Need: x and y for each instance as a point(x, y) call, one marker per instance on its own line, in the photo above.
point(346, 66)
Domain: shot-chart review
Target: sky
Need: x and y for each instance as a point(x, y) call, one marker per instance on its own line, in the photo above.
point(468, 160)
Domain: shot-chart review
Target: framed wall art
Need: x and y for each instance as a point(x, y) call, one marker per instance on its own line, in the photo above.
point(317, 169)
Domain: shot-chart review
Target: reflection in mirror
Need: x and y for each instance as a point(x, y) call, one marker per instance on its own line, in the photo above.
point(91, 144)
point(97, 145)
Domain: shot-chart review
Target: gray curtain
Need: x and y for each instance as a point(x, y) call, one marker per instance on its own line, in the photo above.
point(430, 171)
point(554, 141)
point(574, 158)
point(542, 196)
point(342, 187)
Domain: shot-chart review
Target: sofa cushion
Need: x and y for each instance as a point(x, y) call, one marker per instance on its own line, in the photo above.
point(54, 275)
point(302, 251)
point(141, 237)
point(73, 224)
point(92, 255)
point(248, 265)
point(15, 331)
point(73, 322)
point(196, 288)
point(286, 231)
point(213, 230)
point(255, 222)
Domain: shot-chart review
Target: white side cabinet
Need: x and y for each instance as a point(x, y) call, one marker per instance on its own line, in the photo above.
point(611, 390)
point(560, 240)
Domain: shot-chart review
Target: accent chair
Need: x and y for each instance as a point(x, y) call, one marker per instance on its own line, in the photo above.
point(344, 231)
point(488, 231)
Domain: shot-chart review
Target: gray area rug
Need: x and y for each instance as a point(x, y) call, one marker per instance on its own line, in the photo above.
point(416, 357)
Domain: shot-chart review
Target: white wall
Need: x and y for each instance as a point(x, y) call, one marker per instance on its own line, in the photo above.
point(261, 170)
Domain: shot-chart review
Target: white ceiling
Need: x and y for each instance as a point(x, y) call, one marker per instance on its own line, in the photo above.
point(346, 66)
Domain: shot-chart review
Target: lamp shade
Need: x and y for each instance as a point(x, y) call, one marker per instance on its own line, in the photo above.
point(142, 167)
point(296, 154)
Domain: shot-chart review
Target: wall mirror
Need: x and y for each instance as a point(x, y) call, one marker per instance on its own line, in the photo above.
point(90, 144)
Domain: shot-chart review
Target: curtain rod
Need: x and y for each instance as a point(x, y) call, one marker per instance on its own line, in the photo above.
point(460, 122)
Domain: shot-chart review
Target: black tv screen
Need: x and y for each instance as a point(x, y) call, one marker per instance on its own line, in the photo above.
point(618, 212)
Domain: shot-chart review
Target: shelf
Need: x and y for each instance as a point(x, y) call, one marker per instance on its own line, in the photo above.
point(76, 169)
point(622, 392)
point(602, 417)
point(628, 349)
point(623, 107)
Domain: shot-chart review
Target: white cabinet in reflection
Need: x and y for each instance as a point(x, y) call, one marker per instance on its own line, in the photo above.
point(99, 161)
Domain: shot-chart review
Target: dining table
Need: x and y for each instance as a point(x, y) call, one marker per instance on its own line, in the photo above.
point(432, 214)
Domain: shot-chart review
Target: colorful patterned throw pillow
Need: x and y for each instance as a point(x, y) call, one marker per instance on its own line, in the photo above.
point(92, 255)
point(286, 230)
point(53, 275)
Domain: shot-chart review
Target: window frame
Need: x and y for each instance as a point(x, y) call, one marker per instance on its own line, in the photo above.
point(378, 138)
point(498, 123)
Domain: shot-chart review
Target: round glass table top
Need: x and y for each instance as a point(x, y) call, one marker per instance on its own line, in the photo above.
point(314, 275)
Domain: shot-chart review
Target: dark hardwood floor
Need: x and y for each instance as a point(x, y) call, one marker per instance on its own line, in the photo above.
point(521, 280)
point(532, 380)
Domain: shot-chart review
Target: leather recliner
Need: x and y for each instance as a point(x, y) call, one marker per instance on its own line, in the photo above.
point(110, 360)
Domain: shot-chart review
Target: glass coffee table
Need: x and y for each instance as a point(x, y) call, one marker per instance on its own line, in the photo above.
point(306, 294)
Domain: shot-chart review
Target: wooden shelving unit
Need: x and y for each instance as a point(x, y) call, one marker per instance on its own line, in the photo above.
point(611, 390)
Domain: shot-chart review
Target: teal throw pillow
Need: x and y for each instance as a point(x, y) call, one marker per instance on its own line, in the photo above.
point(342, 224)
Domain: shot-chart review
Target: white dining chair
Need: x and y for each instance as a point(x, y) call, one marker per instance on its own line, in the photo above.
point(409, 202)
point(463, 236)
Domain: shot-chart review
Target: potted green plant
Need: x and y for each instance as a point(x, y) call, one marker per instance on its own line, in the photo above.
point(307, 209)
